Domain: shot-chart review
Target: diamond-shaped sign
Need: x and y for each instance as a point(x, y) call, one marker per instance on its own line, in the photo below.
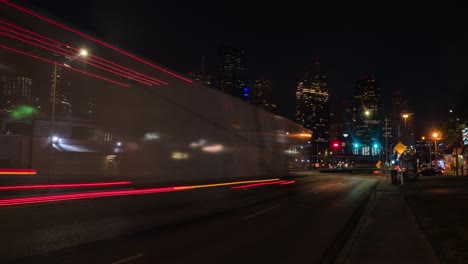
point(379, 163)
point(400, 148)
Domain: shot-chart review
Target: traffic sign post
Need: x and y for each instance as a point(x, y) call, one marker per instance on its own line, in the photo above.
point(400, 148)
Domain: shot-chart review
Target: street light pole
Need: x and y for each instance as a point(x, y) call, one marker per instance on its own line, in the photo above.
point(386, 147)
point(435, 135)
point(430, 154)
point(316, 153)
point(52, 123)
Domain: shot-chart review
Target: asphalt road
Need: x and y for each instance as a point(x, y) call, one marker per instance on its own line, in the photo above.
point(295, 223)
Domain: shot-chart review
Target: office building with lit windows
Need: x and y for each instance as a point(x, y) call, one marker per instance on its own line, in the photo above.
point(231, 71)
point(312, 103)
point(369, 117)
point(63, 104)
point(14, 90)
point(263, 94)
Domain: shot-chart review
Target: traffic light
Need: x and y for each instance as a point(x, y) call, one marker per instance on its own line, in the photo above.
point(336, 145)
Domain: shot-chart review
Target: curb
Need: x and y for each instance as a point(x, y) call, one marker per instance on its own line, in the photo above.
point(343, 242)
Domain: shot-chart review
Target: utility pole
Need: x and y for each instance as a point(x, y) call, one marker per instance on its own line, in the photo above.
point(386, 147)
point(316, 153)
point(52, 124)
point(430, 154)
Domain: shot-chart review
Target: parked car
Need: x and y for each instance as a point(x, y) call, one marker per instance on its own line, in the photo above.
point(432, 171)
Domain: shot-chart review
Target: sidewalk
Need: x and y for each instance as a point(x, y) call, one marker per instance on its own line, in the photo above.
point(387, 232)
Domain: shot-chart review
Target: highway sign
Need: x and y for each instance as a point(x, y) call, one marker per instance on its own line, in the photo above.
point(400, 148)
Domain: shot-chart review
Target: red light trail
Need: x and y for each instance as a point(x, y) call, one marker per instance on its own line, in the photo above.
point(87, 195)
point(94, 39)
point(139, 75)
point(125, 74)
point(73, 69)
point(61, 53)
point(287, 182)
point(66, 185)
point(112, 193)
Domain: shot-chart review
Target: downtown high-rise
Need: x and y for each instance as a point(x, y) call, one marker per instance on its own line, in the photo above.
point(262, 94)
point(312, 103)
point(369, 116)
point(14, 90)
point(231, 72)
point(61, 84)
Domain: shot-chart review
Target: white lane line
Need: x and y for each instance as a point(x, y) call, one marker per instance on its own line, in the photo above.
point(129, 258)
point(260, 212)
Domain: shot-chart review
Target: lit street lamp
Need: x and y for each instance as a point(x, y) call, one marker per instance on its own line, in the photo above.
point(405, 116)
point(52, 137)
point(83, 53)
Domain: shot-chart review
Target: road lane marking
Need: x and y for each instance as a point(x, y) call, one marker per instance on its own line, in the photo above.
point(129, 258)
point(260, 212)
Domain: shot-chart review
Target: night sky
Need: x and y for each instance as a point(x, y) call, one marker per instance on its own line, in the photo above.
point(419, 49)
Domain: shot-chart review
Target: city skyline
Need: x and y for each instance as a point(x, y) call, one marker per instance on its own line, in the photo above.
point(221, 131)
point(402, 53)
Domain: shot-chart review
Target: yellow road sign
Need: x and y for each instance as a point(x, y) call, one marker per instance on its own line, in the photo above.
point(400, 148)
point(379, 163)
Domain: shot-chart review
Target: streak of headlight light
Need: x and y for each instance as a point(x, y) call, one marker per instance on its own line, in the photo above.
point(224, 184)
point(213, 148)
point(18, 172)
point(256, 185)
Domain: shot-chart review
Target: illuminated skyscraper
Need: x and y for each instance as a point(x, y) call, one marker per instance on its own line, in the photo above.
point(231, 70)
point(63, 105)
point(312, 103)
point(14, 90)
point(263, 94)
point(369, 116)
